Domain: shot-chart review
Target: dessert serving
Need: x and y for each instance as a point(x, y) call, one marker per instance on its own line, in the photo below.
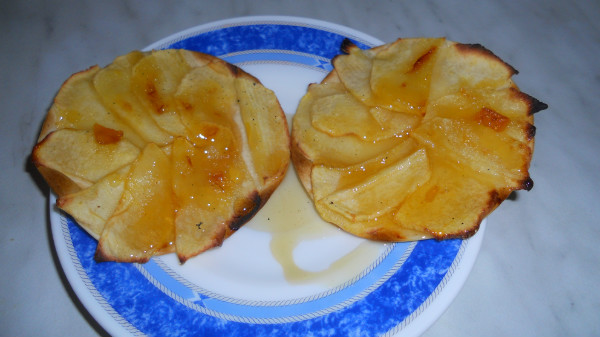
point(415, 139)
point(162, 151)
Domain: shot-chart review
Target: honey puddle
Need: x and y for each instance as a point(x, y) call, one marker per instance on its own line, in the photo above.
point(308, 249)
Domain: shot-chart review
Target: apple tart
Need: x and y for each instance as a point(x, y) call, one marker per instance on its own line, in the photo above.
point(162, 151)
point(419, 138)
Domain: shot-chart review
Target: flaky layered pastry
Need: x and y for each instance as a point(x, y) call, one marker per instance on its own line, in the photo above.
point(419, 138)
point(162, 151)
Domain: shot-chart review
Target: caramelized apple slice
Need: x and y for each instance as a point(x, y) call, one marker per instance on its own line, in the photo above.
point(207, 94)
point(78, 106)
point(327, 180)
point(511, 103)
point(395, 123)
point(203, 206)
point(342, 115)
point(82, 165)
point(450, 205)
point(207, 184)
point(503, 111)
point(497, 158)
point(115, 88)
point(319, 146)
point(155, 80)
point(400, 76)
point(142, 224)
point(379, 193)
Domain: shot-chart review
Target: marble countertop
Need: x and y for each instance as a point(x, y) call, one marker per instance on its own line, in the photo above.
point(537, 272)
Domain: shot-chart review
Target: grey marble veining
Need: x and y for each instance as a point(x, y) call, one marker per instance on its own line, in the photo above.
point(537, 271)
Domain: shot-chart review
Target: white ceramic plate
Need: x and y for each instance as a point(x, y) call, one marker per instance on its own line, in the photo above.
point(286, 273)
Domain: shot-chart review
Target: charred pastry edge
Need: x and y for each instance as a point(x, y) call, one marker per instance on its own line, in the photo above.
point(483, 51)
point(389, 236)
point(465, 234)
point(235, 70)
point(101, 256)
point(347, 45)
point(217, 241)
point(531, 130)
point(534, 105)
point(258, 198)
point(526, 184)
point(242, 216)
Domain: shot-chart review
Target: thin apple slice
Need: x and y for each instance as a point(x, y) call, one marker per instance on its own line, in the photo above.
point(207, 94)
point(93, 206)
point(143, 223)
point(82, 165)
point(400, 76)
point(319, 146)
point(379, 193)
point(466, 67)
point(78, 106)
point(342, 115)
point(115, 88)
point(451, 204)
point(354, 71)
point(505, 111)
point(327, 180)
point(395, 123)
point(207, 186)
point(495, 157)
point(266, 131)
point(155, 80)
point(203, 206)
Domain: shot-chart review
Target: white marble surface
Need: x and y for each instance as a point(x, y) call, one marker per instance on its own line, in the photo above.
point(538, 270)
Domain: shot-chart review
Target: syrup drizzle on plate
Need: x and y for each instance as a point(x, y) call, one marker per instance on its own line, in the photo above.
point(297, 230)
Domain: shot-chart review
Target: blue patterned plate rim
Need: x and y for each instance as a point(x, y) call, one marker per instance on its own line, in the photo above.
point(406, 302)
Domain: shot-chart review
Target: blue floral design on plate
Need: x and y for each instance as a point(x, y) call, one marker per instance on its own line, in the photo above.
point(300, 39)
